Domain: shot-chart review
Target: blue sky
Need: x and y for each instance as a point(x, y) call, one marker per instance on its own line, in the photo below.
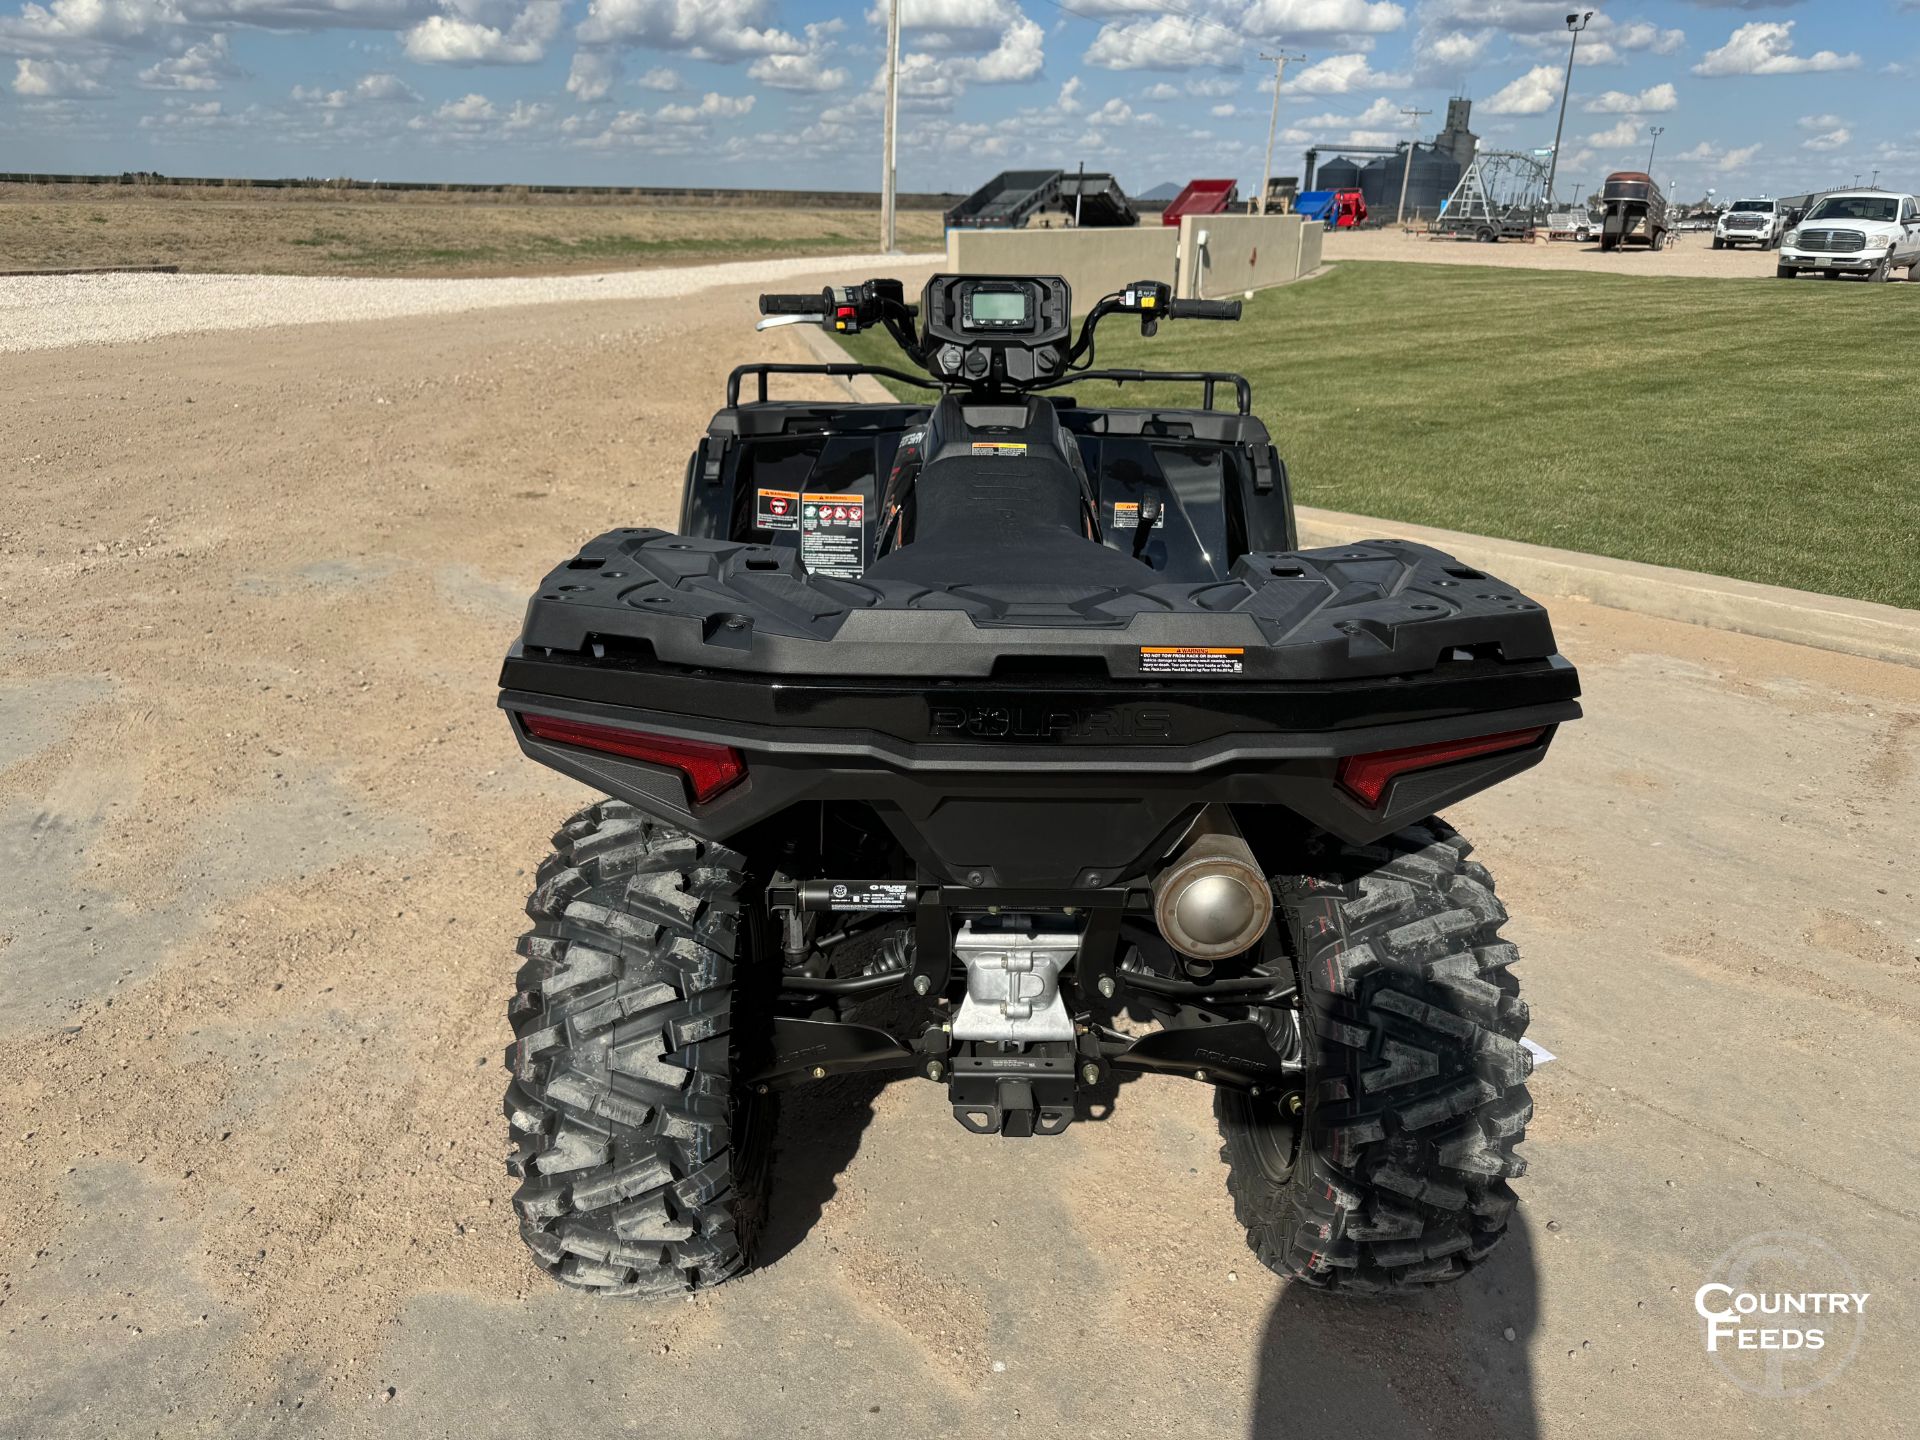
point(1752, 94)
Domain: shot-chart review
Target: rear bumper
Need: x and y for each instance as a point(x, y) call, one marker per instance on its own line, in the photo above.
point(1025, 785)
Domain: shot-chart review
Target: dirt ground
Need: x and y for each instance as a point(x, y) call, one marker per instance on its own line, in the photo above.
point(306, 233)
point(1689, 254)
point(265, 840)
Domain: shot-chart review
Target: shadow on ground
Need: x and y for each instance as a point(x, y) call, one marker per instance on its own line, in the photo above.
point(1439, 1365)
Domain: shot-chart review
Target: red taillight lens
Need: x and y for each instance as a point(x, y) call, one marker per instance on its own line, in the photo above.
point(1366, 777)
point(708, 769)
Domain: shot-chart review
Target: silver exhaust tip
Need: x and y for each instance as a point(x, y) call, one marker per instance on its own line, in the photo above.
point(1212, 900)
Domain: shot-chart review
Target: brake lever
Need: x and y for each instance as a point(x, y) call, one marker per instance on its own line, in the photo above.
point(769, 322)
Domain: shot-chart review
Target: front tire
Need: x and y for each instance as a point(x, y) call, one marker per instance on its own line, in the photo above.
point(1393, 1175)
point(641, 1168)
point(1785, 272)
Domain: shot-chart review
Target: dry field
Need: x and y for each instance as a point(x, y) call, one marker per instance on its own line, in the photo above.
point(266, 837)
point(325, 233)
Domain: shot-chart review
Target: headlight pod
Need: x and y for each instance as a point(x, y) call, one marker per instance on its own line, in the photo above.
point(1792, 237)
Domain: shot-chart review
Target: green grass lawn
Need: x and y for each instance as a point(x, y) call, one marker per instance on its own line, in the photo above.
point(1753, 429)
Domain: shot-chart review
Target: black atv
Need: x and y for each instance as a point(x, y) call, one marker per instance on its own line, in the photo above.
point(961, 740)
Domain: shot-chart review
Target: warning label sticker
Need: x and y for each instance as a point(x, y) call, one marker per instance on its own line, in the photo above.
point(1003, 449)
point(833, 535)
point(1126, 516)
point(1191, 659)
point(868, 895)
point(777, 510)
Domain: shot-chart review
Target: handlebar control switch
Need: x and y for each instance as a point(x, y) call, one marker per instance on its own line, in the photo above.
point(1150, 300)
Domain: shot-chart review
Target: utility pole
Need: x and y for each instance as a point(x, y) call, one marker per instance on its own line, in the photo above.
point(889, 128)
point(1406, 169)
point(1656, 131)
point(1576, 23)
point(1273, 122)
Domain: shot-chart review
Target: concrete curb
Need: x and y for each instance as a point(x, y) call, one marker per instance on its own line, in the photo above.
point(1828, 622)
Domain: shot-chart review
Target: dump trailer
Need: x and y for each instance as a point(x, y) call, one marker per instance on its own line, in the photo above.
point(1017, 198)
point(1096, 200)
point(1006, 202)
point(1202, 197)
point(1636, 212)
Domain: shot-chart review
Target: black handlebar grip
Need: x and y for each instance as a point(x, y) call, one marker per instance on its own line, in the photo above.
point(815, 304)
point(1204, 310)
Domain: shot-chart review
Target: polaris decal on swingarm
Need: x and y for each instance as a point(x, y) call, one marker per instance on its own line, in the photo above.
point(777, 510)
point(868, 895)
point(833, 535)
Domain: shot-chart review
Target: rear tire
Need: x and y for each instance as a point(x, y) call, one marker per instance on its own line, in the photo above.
point(1393, 1177)
point(642, 1172)
point(1785, 272)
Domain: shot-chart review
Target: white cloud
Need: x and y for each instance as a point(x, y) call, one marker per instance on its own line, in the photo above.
point(797, 72)
point(1018, 56)
point(200, 66)
point(467, 39)
point(1451, 49)
point(1342, 75)
point(711, 107)
point(592, 74)
point(376, 89)
point(1160, 90)
point(1381, 112)
point(1714, 158)
point(526, 115)
point(1641, 35)
point(1531, 94)
point(1829, 132)
point(467, 110)
point(659, 78)
point(1627, 132)
point(1211, 87)
point(1766, 48)
point(705, 29)
point(56, 79)
point(1069, 101)
point(1294, 18)
point(1223, 112)
point(1170, 42)
point(1654, 100)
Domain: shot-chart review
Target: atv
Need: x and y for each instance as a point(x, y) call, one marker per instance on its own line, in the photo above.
point(1011, 744)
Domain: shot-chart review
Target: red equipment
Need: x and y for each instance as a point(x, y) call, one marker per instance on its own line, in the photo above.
point(1202, 197)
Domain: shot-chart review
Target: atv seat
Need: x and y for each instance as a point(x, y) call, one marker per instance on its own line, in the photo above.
point(998, 521)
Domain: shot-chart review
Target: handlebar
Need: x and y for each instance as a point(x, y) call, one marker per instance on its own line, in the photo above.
point(1204, 310)
point(814, 304)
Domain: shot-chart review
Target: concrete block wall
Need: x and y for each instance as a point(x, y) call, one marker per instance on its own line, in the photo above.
point(1226, 255)
point(1094, 262)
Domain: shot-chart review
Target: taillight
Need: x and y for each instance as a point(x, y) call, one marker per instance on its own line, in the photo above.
point(708, 768)
point(1366, 777)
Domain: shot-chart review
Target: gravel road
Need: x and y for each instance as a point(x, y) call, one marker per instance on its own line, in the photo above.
point(44, 312)
point(265, 841)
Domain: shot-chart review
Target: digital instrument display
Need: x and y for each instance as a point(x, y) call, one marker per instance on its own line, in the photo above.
point(1005, 306)
point(999, 307)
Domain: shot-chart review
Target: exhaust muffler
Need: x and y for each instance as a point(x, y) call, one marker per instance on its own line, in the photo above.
point(1211, 900)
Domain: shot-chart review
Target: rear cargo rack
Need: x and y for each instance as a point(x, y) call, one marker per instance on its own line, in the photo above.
point(1208, 380)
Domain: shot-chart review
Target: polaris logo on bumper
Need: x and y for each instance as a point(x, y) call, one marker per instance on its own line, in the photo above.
point(1047, 724)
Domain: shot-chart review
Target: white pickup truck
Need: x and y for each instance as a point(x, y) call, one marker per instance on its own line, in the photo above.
point(1869, 233)
point(1759, 223)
